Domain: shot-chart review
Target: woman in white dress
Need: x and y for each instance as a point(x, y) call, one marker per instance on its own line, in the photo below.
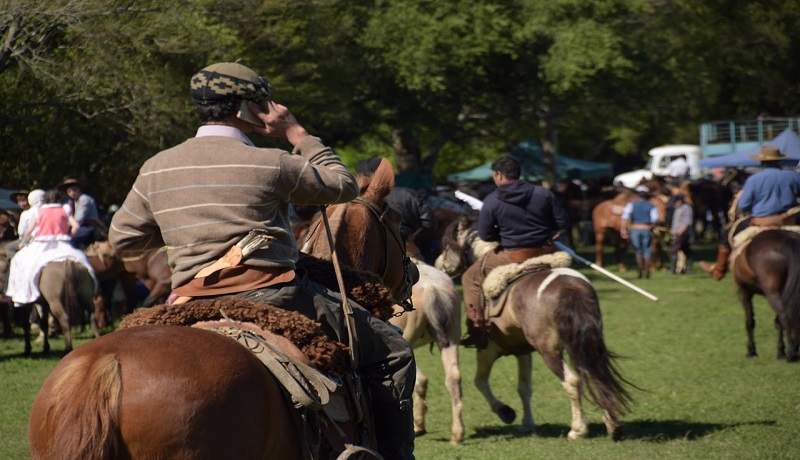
point(47, 239)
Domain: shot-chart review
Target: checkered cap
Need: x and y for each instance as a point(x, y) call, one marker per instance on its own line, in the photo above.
point(221, 81)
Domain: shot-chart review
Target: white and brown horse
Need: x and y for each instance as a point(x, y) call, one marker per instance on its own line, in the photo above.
point(437, 314)
point(549, 310)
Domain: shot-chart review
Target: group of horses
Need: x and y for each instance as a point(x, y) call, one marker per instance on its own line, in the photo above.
point(126, 394)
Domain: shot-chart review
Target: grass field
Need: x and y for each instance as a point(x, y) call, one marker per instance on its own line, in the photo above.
point(700, 399)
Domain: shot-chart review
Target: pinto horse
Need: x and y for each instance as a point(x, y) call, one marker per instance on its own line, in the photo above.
point(549, 311)
point(67, 292)
point(182, 392)
point(770, 265)
point(437, 316)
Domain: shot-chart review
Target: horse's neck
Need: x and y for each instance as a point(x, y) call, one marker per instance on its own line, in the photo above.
point(479, 247)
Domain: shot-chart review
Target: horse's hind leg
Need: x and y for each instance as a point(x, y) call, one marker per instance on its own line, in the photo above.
point(486, 359)
point(420, 406)
point(781, 323)
point(572, 386)
point(525, 390)
point(781, 347)
point(452, 380)
point(746, 298)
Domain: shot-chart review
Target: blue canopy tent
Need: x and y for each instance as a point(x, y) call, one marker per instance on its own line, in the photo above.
point(5, 199)
point(787, 141)
point(531, 159)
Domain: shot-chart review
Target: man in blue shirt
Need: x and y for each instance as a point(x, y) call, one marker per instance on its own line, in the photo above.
point(638, 220)
point(770, 196)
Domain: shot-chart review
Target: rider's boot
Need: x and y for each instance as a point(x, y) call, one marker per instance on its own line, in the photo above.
point(476, 328)
point(394, 430)
point(647, 267)
point(719, 269)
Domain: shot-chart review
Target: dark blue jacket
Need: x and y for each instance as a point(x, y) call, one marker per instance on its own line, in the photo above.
point(521, 215)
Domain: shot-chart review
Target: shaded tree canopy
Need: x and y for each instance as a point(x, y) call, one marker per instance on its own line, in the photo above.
point(92, 88)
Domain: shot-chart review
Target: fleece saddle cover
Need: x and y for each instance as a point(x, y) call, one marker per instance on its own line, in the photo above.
point(498, 281)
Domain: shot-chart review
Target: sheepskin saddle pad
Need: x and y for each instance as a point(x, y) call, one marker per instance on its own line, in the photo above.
point(501, 277)
point(293, 347)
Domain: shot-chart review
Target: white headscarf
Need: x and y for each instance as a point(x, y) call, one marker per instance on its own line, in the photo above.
point(36, 197)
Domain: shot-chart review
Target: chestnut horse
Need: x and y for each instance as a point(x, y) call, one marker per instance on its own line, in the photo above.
point(437, 316)
point(548, 310)
point(607, 218)
point(67, 292)
point(182, 392)
point(770, 265)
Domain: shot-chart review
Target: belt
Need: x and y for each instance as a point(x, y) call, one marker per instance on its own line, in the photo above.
point(523, 254)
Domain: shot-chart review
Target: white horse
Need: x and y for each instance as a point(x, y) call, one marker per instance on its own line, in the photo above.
point(436, 318)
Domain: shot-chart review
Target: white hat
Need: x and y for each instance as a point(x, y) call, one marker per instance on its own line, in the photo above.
point(36, 197)
point(642, 189)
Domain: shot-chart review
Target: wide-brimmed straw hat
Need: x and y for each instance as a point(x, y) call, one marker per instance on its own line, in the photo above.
point(18, 194)
point(70, 182)
point(769, 153)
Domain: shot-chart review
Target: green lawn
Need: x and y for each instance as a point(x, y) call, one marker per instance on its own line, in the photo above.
point(701, 398)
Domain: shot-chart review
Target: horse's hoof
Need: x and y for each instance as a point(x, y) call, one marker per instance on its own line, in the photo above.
point(506, 414)
point(618, 434)
point(574, 435)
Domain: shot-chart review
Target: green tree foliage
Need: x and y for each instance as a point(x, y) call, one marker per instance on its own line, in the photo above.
point(92, 88)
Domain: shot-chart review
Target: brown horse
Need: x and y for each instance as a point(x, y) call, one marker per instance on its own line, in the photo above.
point(607, 218)
point(67, 292)
point(180, 392)
point(770, 265)
point(549, 311)
point(437, 317)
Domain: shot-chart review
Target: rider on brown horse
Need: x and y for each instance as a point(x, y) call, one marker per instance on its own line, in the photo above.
point(523, 218)
point(203, 196)
point(770, 197)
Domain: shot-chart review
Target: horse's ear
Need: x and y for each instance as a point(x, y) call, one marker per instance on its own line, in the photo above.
point(382, 181)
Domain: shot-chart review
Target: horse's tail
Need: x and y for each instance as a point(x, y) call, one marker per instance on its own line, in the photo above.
point(580, 327)
point(443, 309)
point(73, 303)
point(82, 410)
point(791, 290)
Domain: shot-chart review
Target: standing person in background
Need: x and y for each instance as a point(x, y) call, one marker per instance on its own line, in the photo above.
point(23, 200)
point(201, 197)
point(83, 209)
point(525, 219)
point(770, 196)
point(678, 169)
point(638, 220)
point(681, 233)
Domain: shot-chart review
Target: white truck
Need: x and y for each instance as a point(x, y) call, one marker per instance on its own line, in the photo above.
point(658, 164)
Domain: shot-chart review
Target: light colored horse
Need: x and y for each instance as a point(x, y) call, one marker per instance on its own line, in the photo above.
point(437, 317)
point(67, 290)
point(549, 310)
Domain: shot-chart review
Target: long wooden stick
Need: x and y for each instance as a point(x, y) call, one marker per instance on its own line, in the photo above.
point(600, 269)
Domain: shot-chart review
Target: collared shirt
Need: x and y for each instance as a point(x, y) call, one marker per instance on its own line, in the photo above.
point(770, 192)
point(224, 131)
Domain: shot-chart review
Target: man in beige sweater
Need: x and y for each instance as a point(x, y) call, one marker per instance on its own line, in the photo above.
point(201, 197)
